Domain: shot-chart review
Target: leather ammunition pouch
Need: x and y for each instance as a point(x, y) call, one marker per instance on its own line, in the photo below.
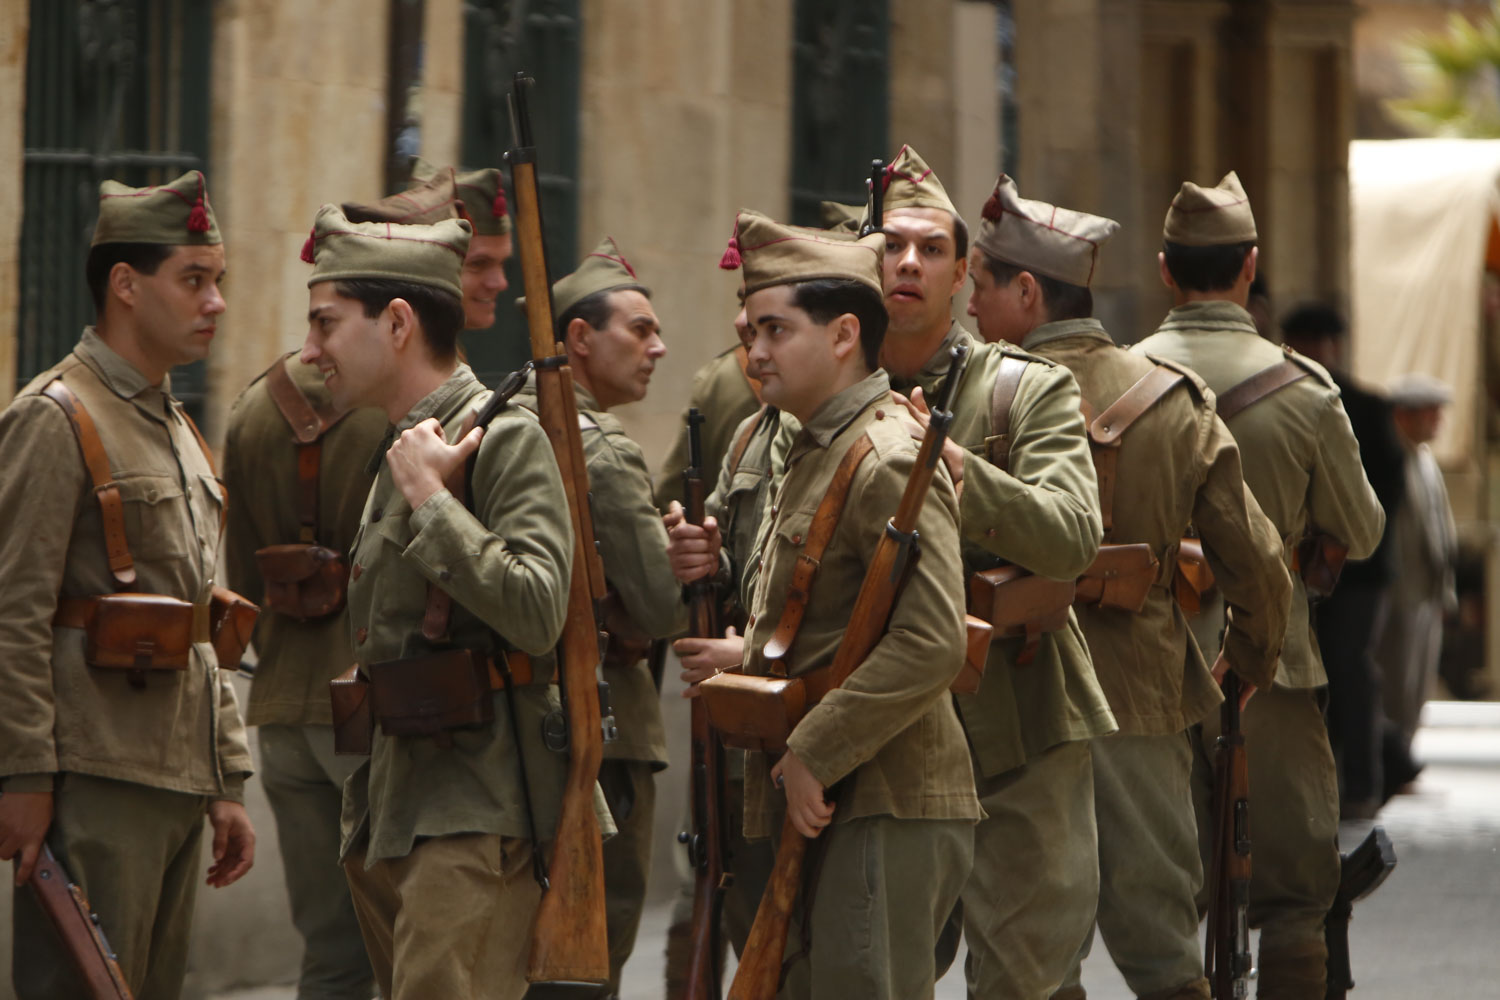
point(1319, 559)
point(759, 712)
point(978, 634)
point(303, 581)
point(1120, 578)
point(1193, 578)
point(353, 720)
point(1019, 604)
point(231, 620)
point(136, 632)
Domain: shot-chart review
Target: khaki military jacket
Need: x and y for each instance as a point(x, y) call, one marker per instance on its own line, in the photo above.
point(633, 545)
point(723, 394)
point(1300, 456)
point(182, 731)
point(1176, 464)
point(1042, 515)
point(891, 726)
point(507, 567)
point(296, 659)
point(740, 499)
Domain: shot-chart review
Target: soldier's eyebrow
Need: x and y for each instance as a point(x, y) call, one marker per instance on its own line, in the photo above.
point(641, 318)
point(312, 314)
point(768, 318)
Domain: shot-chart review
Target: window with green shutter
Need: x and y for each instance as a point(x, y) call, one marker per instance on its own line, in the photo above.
point(114, 89)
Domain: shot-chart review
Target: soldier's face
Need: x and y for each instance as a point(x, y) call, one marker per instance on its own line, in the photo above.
point(484, 279)
point(922, 270)
point(617, 360)
point(350, 349)
point(177, 309)
point(1002, 310)
point(796, 358)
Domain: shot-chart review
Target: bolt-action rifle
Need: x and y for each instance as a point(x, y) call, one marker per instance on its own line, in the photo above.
point(1361, 872)
point(78, 928)
point(706, 842)
point(759, 974)
point(568, 943)
point(1226, 952)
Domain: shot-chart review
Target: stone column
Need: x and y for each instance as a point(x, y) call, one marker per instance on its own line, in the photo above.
point(14, 21)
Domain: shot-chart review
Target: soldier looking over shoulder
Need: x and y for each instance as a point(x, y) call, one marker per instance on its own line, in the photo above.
point(106, 580)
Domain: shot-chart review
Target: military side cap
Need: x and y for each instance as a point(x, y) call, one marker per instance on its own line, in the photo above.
point(1417, 391)
point(481, 193)
point(604, 269)
point(776, 254)
point(1056, 242)
point(431, 255)
point(425, 202)
point(1210, 217)
point(840, 218)
point(910, 183)
point(173, 214)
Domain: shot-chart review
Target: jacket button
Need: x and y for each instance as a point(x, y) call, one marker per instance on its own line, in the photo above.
point(355, 570)
point(796, 539)
point(750, 622)
point(879, 414)
point(990, 532)
point(361, 635)
point(445, 575)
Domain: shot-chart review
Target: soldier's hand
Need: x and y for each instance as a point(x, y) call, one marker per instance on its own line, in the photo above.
point(805, 805)
point(421, 459)
point(24, 819)
point(692, 549)
point(234, 843)
point(1220, 668)
point(916, 419)
point(703, 658)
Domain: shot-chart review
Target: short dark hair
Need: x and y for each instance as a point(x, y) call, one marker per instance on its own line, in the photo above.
point(1062, 299)
point(1314, 321)
point(826, 299)
point(440, 311)
point(1206, 269)
point(146, 258)
point(595, 309)
point(960, 237)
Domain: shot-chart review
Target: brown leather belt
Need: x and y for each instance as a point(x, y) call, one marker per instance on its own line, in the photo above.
point(78, 612)
point(521, 670)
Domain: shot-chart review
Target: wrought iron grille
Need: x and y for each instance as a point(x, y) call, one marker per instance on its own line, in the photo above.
point(840, 101)
point(114, 89)
point(542, 37)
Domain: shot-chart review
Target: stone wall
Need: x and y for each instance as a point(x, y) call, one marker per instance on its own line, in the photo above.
point(14, 18)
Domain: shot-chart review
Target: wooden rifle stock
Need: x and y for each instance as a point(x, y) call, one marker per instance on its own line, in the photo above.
point(759, 974)
point(569, 940)
point(1226, 952)
point(706, 841)
point(77, 927)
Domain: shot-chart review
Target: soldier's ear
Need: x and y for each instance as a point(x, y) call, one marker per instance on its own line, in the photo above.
point(1252, 261)
point(845, 335)
point(122, 279)
point(1166, 274)
point(576, 337)
point(403, 322)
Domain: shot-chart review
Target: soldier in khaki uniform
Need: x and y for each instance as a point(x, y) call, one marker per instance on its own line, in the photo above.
point(438, 828)
point(1302, 462)
point(613, 339)
point(725, 393)
point(1176, 463)
point(1030, 899)
point(116, 768)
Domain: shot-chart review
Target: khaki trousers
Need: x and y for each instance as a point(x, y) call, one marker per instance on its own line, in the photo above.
point(1032, 895)
point(1294, 816)
point(135, 852)
point(1149, 869)
point(452, 919)
point(304, 781)
point(882, 891)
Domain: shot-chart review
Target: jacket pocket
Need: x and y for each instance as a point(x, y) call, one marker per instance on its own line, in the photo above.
point(156, 518)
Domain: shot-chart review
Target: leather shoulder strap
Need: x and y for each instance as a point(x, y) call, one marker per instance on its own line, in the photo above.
point(111, 506)
point(1007, 384)
point(742, 443)
point(825, 521)
point(1109, 426)
point(308, 422)
point(1260, 385)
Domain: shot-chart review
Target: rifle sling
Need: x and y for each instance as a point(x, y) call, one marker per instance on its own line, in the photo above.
point(308, 423)
point(825, 521)
point(1260, 385)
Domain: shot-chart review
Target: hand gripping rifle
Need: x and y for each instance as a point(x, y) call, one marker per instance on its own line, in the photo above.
point(759, 974)
point(1226, 952)
point(707, 841)
point(568, 943)
point(78, 928)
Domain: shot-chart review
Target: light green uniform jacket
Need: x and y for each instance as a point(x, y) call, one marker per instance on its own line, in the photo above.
point(724, 395)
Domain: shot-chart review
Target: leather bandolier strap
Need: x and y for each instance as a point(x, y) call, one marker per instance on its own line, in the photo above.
point(111, 507)
point(742, 443)
point(1007, 384)
point(309, 423)
point(1260, 385)
point(819, 533)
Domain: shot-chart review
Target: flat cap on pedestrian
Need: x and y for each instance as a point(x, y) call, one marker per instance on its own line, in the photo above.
point(426, 201)
point(604, 269)
point(1210, 217)
point(173, 214)
point(910, 183)
point(1056, 242)
point(1417, 391)
point(776, 254)
point(431, 255)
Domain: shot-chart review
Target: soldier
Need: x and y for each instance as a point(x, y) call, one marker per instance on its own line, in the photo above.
point(456, 602)
point(1030, 900)
point(888, 744)
point(1164, 460)
point(117, 738)
point(1302, 463)
point(613, 340)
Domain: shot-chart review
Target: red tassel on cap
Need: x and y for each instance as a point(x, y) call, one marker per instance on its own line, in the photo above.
point(498, 208)
point(307, 248)
point(731, 259)
point(198, 218)
point(992, 210)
